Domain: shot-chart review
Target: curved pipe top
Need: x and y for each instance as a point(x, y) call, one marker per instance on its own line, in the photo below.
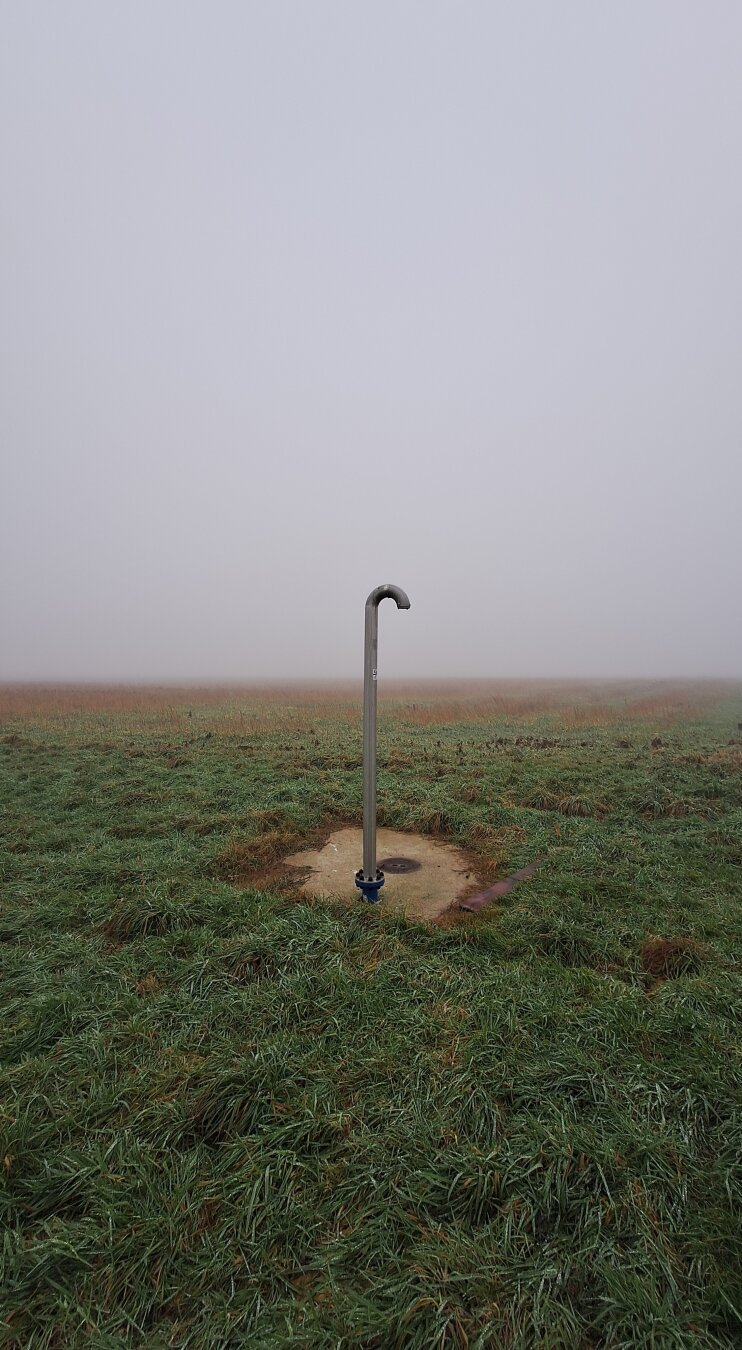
point(388, 592)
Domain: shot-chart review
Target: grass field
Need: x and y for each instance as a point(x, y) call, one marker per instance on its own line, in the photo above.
point(233, 1117)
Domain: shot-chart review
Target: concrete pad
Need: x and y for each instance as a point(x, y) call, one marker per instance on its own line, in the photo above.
point(443, 876)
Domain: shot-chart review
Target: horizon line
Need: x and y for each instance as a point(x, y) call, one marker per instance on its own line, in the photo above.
point(273, 681)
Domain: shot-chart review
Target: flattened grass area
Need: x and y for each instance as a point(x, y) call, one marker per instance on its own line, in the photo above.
point(230, 1117)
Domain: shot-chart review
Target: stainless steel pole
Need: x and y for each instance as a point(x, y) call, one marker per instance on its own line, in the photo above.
point(369, 878)
point(370, 659)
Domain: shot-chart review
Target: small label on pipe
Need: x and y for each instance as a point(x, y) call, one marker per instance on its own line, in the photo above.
point(374, 672)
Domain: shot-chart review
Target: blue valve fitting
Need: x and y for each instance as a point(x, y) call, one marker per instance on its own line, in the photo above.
point(370, 886)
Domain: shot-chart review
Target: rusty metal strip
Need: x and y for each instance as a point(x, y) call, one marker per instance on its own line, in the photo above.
point(500, 888)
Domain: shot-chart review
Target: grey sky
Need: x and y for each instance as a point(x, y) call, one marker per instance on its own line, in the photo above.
point(300, 298)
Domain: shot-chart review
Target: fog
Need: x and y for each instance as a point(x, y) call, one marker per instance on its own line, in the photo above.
point(302, 298)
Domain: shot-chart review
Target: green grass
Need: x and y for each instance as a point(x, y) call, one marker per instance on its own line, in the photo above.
point(229, 1117)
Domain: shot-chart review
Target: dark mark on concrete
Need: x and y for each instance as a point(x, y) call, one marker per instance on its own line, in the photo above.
point(397, 866)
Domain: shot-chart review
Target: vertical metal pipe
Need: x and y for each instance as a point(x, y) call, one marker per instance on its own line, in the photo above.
point(370, 658)
point(369, 879)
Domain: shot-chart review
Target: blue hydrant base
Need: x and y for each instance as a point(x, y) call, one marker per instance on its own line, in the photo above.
point(370, 889)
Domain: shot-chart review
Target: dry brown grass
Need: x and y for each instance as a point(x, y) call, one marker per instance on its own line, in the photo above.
point(667, 958)
point(32, 700)
point(249, 709)
point(728, 758)
point(241, 860)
